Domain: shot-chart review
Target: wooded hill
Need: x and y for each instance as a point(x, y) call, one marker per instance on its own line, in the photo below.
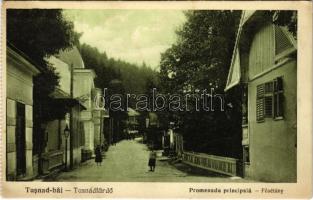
point(134, 78)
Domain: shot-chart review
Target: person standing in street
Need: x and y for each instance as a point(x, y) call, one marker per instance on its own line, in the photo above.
point(152, 160)
point(98, 158)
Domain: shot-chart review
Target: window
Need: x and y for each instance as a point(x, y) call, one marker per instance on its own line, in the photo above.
point(278, 98)
point(246, 155)
point(82, 133)
point(269, 100)
point(245, 105)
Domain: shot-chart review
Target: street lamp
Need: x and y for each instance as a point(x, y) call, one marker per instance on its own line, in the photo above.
point(66, 135)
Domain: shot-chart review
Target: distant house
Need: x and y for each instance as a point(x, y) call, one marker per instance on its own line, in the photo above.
point(132, 119)
point(132, 123)
point(153, 133)
point(153, 120)
point(19, 115)
point(264, 65)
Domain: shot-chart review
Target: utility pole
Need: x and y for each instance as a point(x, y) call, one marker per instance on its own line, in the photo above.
point(101, 127)
point(71, 119)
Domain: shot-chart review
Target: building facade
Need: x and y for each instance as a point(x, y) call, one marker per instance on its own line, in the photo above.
point(19, 115)
point(82, 86)
point(29, 154)
point(264, 65)
point(57, 145)
point(98, 114)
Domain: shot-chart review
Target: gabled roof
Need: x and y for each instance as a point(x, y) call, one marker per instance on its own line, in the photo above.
point(72, 57)
point(63, 71)
point(246, 15)
point(234, 71)
point(131, 112)
point(249, 20)
point(234, 74)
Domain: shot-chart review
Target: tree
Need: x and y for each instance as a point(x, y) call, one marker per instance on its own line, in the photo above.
point(40, 33)
point(200, 60)
point(286, 18)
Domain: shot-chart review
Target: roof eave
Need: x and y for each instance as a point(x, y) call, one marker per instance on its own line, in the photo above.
point(18, 55)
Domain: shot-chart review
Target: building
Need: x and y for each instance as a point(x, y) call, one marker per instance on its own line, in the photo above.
point(83, 84)
point(56, 144)
point(264, 65)
point(98, 115)
point(132, 119)
point(132, 124)
point(19, 115)
point(153, 133)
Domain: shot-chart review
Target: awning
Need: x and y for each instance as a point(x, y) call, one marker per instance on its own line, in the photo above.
point(69, 102)
point(234, 72)
point(62, 98)
point(59, 94)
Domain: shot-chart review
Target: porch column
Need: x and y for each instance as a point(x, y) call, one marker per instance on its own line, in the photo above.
point(10, 137)
point(29, 139)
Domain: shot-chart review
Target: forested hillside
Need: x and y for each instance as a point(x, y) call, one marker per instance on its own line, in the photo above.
point(134, 78)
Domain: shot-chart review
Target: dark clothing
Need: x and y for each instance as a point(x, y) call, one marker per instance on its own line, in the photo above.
point(151, 162)
point(152, 159)
point(98, 155)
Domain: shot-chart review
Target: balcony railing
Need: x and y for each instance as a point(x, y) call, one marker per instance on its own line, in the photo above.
point(52, 160)
point(213, 163)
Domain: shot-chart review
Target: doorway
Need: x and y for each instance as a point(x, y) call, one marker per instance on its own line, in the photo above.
point(20, 140)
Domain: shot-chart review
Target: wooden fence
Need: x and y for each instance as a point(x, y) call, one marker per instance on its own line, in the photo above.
point(218, 164)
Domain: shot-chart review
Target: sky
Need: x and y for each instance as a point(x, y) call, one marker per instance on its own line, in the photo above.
point(135, 36)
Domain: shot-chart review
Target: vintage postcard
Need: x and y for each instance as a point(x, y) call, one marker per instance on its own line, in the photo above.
point(156, 99)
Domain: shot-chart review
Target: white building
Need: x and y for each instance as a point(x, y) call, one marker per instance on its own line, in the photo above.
point(19, 115)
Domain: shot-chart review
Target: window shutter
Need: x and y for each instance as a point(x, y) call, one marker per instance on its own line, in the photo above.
point(260, 103)
point(279, 81)
point(269, 100)
point(260, 91)
point(259, 109)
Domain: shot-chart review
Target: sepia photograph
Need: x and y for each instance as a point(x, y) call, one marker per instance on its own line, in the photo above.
point(151, 95)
